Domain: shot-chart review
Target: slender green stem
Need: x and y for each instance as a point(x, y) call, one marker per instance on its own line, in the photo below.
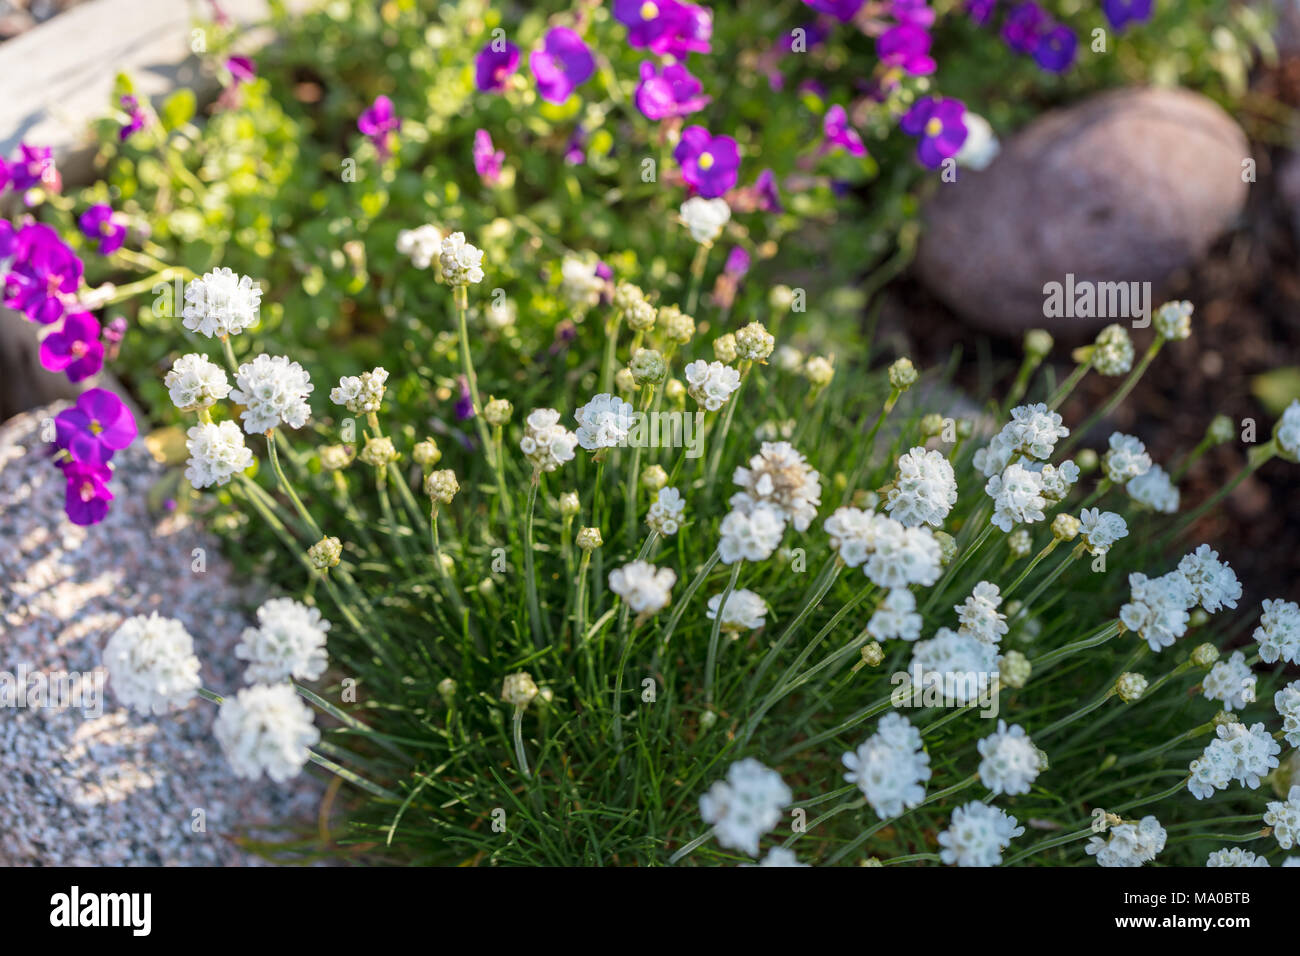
point(712, 659)
point(287, 488)
point(685, 599)
point(517, 733)
point(1116, 397)
point(720, 440)
point(1062, 393)
point(530, 572)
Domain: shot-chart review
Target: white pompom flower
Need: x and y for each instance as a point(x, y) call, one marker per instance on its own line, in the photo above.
point(1157, 608)
point(744, 610)
point(924, 490)
point(289, 642)
point(1129, 844)
point(361, 394)
point(1235, 856)
point(1284, 817)
point(780, 477)
point(977, 835)
point(546, 443)
point(890, 767)
point(979, 617)
point(1213, 582)
point(1287, 432)
point(746, 805)
point(221, 303)
point(462, 263)
point(664, 515)
point(705, 218)
point(1017, 496)
point(1155, 490)
point(1231, 682)
point(1101, 529)
point(265, 729)
point(751, 536)
point(273, 391)
point(643, 587)
point(711, 383)
point(1127, 459)
point(217, 453)
point(1278, 633)
point(422, 245)
point(1010, 761)
point(194, 382)
point(151, 664)
point(604, 422)
point(896, 617)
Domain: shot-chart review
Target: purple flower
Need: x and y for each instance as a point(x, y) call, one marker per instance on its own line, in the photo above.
point(241, 69)
point(97, 426)
point(136, 118)
point(464, 401)
point(1056, 49)
point(494, 65)
point(1025, 27)
point(561, 65)
point(710, 164)
point(44, 270)
point(4, 174)
point(575, 149)
point(380, 123)
point(838, 132)
point(906, 46)
point(99, 224)
point(1121, 13)
point(912, 11)
point(842, 10)
point(672, 92)
point(8, 239)
point(981, 11)
point(646, 20)
point(74, 349)
point(737, 263)
point(87, 496)
point(769, 200)
point(487, 160)
point(940, 126)
point(666, 27)
point(35, 164)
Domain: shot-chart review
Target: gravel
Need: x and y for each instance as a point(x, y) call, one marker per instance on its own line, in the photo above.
point(117, 788)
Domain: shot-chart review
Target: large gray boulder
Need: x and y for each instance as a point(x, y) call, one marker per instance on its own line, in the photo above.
point(1128, 186)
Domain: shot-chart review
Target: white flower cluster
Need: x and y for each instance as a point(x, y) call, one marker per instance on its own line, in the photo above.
point(1288, 431)
point(221, 303)
point(462, 263)
point(1010, 761)
point(1112, 352)
point(547, 443)
point(705, 218)
point(1238, 752)
point(778, 856)
point(1278, 633)
point(665, 513)
point(750, 537)
point(924, 490)
point(579, 281)
point(711, 383)
point(890, 767)
point(896, 616)
point(960, 666)
point(1032, 433)
point(1017, 496)
point(289, 642)
point(1101, 529)
point(274, 391)
point(1287, 703)
point(1126, 459)
point(1154, 489)
point(420, 245)
point(1130, 844)
point(151, 663)
point(1284, 817)
point(891, 555)
point(604, 422)
point(744, 610)
point(265, 729)
point(1235, 856)
point(1173, 320)
point(978, 616)
point(194, 382)
point(1057, 481)
point(217, 453)
point(643, 587)
point(361, 394)
point(746, 805)
point(977, 835)
point(1230, 681)
point(1212, 581)
point(1157, 608)
point(781, 478)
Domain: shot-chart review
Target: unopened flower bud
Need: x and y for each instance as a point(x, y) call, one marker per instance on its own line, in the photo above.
point(1130, 686)
point(675, 324)
point(442, 485)
point(675, 391)
point(902, 374)
point(1173, 321)
point(965, 428)
point(588, 539)
point(426, 453)
point(379, 452)
point(931, 425)
point(1038, 343)
point(624, 381)
point(569, 504)
point(1198, 618)
point(626, 295)
point(1065, 527)
point(1205, 655)
point(780, 298)
point(1087, 460)
point(872, 654)
point(518, 690)
point(708, 719)
point(1020, 542)
point(819, 371)
point(325, 553)
point(640, 316)
point(724, 348)
point(947, 547)
point(648, 367)
point(334, 457)
point(497, 412)
point(447, 690)
point(754, 343)
point(654, 477)
point(1015, 669)
point(1221, 429)
point(1225, 718)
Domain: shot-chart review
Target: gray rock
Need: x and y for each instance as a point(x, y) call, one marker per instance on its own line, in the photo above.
point(1128, 186)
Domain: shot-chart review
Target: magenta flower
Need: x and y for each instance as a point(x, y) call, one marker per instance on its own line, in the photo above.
point(842, 10)
point(487, 160)
point(494, 66)
point(1121, 13)
point(575, 149)
point(1056, 49)
point(1025, 27)
point(136, 118)
point(87, 496)
point(912, 11)
point(380, 124)
point(4, 175)
point(43, 272)
point(101, 225)
point(35, 164)
point(839, 133)
point(96, 427)
point(737, 264)
point(241, 69)
point(75, 349)
point(906, 46)
point(562, 64)
point(668, 93)
point(8, 239)
point(689, 29)
point(940, 125)
point(710, 164)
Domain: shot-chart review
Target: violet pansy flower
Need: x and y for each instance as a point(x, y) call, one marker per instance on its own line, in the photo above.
point(1121, 13)
point(669, 92)
point(75, 349)
point(96, 427)
point(769, 199)
point(43, 272)
point(562, 64)
point(906, 46)
point(101, 225)
point(1025, 26)
point(487, 159)
point(940, 126)
point(87, 496)
point(710, 164)
point(34, 165)
point(838, 132)
point(380, 124)
point(1056, 49)
point(494, 66)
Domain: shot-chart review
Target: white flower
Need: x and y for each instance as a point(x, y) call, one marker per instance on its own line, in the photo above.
point(705, 218)
point(996, 455)
point(1278, 633)
point(1010, 761)
point(1126, 459)
point(361, 394)
point(711, 383)
point(462, 263)
point(1173, 320)
point(1155, 489)
point(421, 244)
point(1287, 702)
point(1157, 608)
point(778, 856)
point(890, 767)
point(853, 534)
point(751, 536)
point(896, 616)
point(1101, 529)
point(604, 422)
point(1113, 351)
point(1057, 481)
point(217, 453)
point(665, 515)
point(547, 443)
point(981, 145)
point(221, 303)
point(925, 489)
point(1017, 496)
point(579, 281)
point(744, 610)
point(1213, 582)
point(903, 556)
point(1284, 818)
point(1035, 430)
point(977, 835)
point(978, 615)
point(265, 729)
point(643, 587)
point(1241, 753)
point(780, 477)
point(274, 391)
point(1288, 430)
point(194, 382)
point(151, 663)
point(289, 642)
point(1235, 856)
point(1231, 682)
point(746, 805)
point(959, 666)
point(1129, 844)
